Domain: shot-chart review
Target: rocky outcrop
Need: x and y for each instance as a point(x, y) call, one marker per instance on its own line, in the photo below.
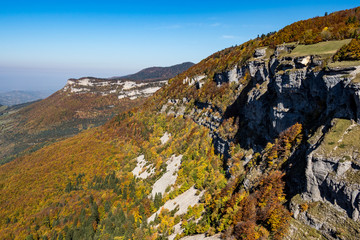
point(198, 80)
point(260, 52)
point(325, 182)
point(296, 92)
point(120, 88)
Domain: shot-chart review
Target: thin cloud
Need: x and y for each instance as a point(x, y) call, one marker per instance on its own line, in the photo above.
point(229, 36)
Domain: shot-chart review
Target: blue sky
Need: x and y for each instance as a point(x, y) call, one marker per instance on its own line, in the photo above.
point(43, 43)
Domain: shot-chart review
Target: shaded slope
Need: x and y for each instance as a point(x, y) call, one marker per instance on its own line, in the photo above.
point(158, 73)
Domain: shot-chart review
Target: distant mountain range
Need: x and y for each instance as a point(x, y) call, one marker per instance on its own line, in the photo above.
point(158, 73)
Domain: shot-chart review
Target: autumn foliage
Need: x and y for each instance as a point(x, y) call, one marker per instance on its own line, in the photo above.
point(258, 212)
point(349, 52)
point(284, 144)
point(252, 215)
point(83, 188)
point(335, 26)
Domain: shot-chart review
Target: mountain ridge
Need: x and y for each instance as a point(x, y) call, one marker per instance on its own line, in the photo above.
point(157, 73)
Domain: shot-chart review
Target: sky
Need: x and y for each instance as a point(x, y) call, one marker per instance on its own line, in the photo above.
point(44, 43)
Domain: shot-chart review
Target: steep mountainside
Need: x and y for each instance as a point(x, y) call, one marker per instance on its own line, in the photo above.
point(158, 73)
point(270, 95)
point(258, 141)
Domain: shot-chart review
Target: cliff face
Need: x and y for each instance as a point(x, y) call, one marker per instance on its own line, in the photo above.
point(322, 100)
point(298, 92)
point(284, 89)
point(120, 88)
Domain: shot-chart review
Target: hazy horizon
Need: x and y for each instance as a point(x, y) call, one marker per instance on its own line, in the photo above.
point(45, 43)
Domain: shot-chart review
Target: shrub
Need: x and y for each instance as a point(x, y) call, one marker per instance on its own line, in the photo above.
point(349, 52)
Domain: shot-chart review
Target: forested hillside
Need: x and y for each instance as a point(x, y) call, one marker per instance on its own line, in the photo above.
point(33, 126)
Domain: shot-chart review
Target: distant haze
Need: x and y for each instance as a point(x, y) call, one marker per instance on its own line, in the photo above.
point(19, 97)
point(45, 79)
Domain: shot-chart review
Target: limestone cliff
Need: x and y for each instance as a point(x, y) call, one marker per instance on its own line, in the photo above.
point(120, 88)
point(283, 89)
